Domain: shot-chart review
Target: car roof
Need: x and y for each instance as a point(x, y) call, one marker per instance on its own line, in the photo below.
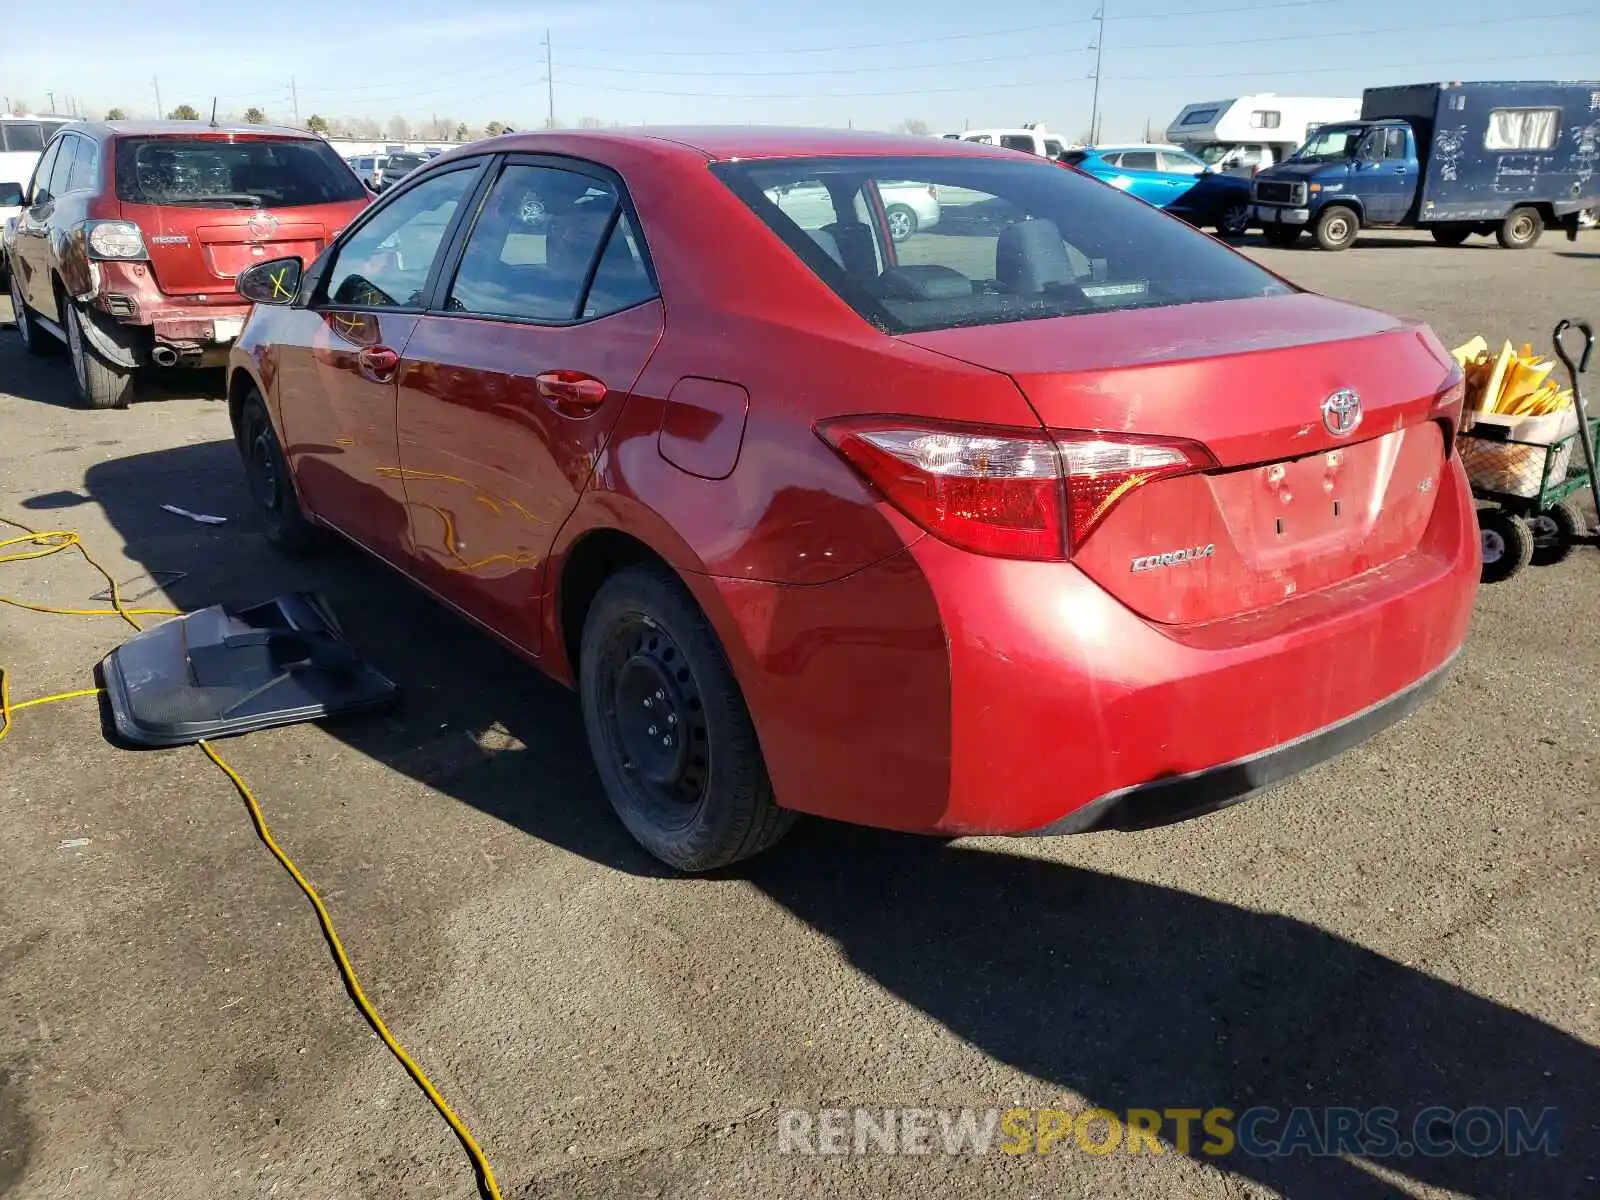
point(192, 129)
point(733, 142)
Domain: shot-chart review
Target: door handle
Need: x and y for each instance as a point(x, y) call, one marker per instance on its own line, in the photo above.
point(378, 363)
point(570, 393)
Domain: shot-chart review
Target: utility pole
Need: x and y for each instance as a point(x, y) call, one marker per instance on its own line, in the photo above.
point(51, 96)
point(294, 100)
point(1099, 52)
point(160, 112)
point(550, 82)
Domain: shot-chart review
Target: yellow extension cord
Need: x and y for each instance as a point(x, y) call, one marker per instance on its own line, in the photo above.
point(49, 542)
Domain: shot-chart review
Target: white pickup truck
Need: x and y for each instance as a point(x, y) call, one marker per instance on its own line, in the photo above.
point(1030, 139)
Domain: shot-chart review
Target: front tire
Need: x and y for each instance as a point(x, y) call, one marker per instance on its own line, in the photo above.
point(902, 222)
point(271, 488)
point(668, 727)
point(1507, 544)
point(1520, 229)
point(101, 385)
point(1337, 227)
point(1281, 236)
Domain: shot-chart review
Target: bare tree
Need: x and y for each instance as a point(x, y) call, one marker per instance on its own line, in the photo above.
point(366, 127)
point(399, 128)
point(254, 116)
point(590, 123)
point(116, 114)
point(915, 126)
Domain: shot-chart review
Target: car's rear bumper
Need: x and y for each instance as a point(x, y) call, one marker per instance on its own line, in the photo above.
point(1164, 801)
point(198, 330)
point(940, 691)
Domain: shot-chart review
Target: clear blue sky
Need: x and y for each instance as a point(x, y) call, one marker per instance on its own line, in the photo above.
point(825, 62)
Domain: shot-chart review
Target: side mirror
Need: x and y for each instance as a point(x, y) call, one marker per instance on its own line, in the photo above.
point(274, 282)
point(11, 195)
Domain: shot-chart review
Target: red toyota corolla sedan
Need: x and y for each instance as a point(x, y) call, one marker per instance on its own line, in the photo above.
point(1056, 515)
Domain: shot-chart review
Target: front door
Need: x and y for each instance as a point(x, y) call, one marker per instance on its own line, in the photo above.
point(32, 244)
point(508, 396)
point(339, 359)
point(1387, 181)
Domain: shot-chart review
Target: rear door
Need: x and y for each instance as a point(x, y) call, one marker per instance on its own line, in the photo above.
point(511, 385)
point(212, 205)
point(338, 358)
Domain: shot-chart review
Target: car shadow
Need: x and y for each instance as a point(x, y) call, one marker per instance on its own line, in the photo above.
point(1578, 253)
point(48, 379)
point(1134, 995)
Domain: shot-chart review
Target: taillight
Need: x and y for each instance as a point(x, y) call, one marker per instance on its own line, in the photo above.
point(115, 240)
point(1006, 492)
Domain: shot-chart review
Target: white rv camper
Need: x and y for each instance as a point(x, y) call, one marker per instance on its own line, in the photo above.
point(1249, 133)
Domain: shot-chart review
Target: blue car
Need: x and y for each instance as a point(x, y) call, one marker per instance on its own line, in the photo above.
point(1173, 179)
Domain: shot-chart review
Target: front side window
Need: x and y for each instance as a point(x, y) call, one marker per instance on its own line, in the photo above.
point(532, 253)
point(214, 173)
point(40, 191)
point(1394, 146)
point(1331, 143)
point(1014, 241)
point(386, 263)
point(1522, 129)
point(1180, 163)
point(1054, 148)
point(1013, 141)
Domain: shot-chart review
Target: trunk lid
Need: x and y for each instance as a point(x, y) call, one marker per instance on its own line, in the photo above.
point(199, 251)
point(1293, 506)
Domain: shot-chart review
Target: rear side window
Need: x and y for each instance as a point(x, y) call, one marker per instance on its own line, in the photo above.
point(1012, 141)
point(1522, 129)
point(1004, 241)
point(21, 136)
point(386, 263)
point(1140, 160)
point(532, 253)
point(214, 173)
point(85, 166)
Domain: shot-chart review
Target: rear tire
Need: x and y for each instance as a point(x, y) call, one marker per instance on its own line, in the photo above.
point(36, 339)
point(1507, 544)
point(1520, 229)
point(1282, 236)
point(1337, 227)
point(1233, 221)
point(100, 384)
point(670, 733)
point(1450, 235)
point(271, 488)
point(1556, 531)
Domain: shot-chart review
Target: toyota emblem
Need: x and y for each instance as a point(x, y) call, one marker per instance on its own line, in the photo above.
point(1341, 412)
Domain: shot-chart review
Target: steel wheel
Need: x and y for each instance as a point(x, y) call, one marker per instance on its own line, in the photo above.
point(1506, 544)
point(654, 721)
point(1235, 220)
point(260, 460)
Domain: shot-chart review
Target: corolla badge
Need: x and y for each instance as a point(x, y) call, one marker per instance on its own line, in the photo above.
point(1173, 558)
point(1341, 412)
point(261, 228)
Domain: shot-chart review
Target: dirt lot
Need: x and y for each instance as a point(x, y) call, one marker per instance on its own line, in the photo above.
point(1412, 924)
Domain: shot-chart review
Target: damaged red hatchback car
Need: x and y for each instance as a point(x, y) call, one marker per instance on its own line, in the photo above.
point(132, 232)
point(1054, 516)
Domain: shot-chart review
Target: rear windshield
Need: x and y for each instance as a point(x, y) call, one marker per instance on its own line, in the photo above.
point(934, 242)
point(207, 173)
point(403, 162)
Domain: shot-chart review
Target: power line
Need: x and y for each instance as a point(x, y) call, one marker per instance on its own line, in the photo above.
point(1056, 54)
point(1058, 81)
point(961, 37)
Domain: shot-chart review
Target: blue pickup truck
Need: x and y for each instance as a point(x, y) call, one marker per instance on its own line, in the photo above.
point(1456, 159)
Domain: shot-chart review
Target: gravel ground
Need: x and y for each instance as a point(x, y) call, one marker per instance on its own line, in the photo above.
point(1412, 924)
